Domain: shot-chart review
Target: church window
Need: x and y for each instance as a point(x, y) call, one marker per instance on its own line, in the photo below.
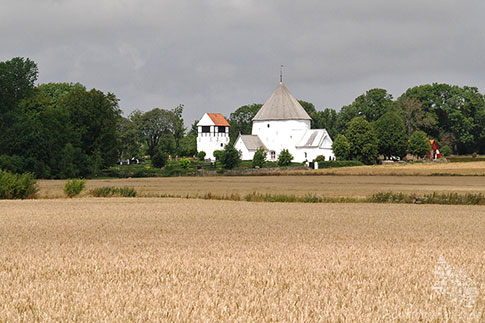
point(273, 154)
point(268, 125)
point(222, 145)
point(206, 129)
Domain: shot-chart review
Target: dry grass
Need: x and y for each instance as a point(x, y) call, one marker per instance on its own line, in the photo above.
point(418, 169)
point(191, 260)
point(332, 186)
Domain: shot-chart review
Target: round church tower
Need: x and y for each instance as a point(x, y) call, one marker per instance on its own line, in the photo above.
point(281, 122)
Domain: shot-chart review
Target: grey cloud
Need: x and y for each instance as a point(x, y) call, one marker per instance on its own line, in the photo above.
point(216, 55)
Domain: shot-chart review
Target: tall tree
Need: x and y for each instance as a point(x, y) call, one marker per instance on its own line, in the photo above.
point(362, 140)
point(156, 123)
point(241, 120)
point(391, 135)
point(371, 106)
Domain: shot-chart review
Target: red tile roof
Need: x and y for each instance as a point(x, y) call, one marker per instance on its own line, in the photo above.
point(218, 119)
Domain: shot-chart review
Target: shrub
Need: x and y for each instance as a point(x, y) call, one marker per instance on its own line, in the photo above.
point(319, 159)
point(201, 155)
point(74, 187)
point(285, 158)
point(109, 191)
point(419, 144)
point(474, 155)
point(184, 162)
point(259, 158)
point(341, 147)
point(446, 151)
point(159, 159)
point(218, 154)
point(339, 163)
point(230, 158)
point(17, 186)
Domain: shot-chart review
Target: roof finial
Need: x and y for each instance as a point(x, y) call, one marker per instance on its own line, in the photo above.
point(281, 74)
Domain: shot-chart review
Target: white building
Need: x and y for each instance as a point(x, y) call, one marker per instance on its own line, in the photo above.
point(212, 134)
point(282, 123)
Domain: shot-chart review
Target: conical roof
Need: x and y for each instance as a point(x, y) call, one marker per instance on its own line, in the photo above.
point(281, 105)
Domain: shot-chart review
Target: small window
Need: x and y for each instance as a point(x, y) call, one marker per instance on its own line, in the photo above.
point(273, 154)
point(222, 145)
point(268, 125)
point(206, 129)
point(221, 129)
point(306, 155)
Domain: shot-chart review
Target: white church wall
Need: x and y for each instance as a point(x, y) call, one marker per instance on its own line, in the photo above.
point(241, 147)
point(280, 134)
point(309, 154)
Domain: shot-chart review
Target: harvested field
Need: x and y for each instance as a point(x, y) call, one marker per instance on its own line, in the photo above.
point(418, 169)
point(192, 260)
point(333, 186)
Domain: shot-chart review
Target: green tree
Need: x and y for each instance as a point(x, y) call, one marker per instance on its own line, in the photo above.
point(231, 157)
point(341, 147)
point(17, 78)
point(362, 140)
point(285, 158)
point(391, 135)
point(371, 106)
point(241, 120)
point(453, 115)
point(326, 119)
point(419, 144)
point(187, 145)
point(157, 124)
point(259, 158)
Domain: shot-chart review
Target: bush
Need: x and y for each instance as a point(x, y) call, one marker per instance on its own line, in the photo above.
point(201, 155)
point(17, 186)
point(109, 191)
point(74, 187)
point(446, 151)
point(419, 144)
point(184, 162)
point(259, 158)
point(285, 158)
point(341, 147)
point(230, 157)
point(159, 159)
point(474, 155)
point(218, 154)
point(339, 163)
point(319, 159)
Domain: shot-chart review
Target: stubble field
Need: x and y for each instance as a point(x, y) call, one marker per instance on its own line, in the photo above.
point(154, 259)
point(332, 186)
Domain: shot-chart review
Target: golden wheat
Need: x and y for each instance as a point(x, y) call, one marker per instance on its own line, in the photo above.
point(192, 260)
point(333, 186)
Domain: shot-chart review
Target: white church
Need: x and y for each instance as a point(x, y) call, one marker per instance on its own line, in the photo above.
point(281, 123)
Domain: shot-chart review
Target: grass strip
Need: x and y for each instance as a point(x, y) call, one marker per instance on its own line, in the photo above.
point(382, 197)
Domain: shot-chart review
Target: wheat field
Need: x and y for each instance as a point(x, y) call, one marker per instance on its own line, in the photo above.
point(194, 260)
point(333, 186)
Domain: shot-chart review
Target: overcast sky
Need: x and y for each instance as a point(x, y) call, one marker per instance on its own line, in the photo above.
point(216, 55)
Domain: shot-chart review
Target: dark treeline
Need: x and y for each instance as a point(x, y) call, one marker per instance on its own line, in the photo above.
point(63, 130)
